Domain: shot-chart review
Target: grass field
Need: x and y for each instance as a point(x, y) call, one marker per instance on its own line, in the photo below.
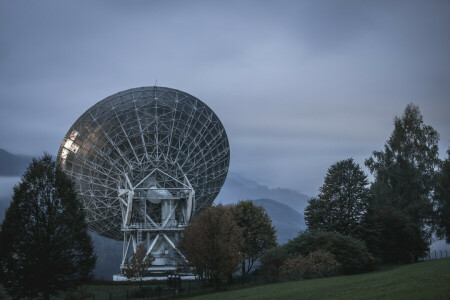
point(426, 280)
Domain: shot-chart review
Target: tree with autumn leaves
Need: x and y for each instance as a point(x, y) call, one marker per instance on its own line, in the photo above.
point(221, 238)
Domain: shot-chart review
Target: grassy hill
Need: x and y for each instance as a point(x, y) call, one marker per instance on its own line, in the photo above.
point(426, 280)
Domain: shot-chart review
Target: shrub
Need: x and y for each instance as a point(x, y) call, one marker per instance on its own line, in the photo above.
point(317, 264)
point(321, 264)
point(351, 253)
point(293, 267)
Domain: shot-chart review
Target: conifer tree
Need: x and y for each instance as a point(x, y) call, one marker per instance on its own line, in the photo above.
point(44, 242)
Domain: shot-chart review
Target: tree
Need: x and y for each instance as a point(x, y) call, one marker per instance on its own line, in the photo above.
point(137, 266)
point(396, 239)
point(212, 242)
point(257, 231)
point(405, 173)
point(342, 201)
point(442, 199)
point(44, 242)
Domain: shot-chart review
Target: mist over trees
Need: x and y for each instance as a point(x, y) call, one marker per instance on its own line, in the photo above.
point(44, 243)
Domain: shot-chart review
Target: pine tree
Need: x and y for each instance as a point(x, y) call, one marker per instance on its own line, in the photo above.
point(44, 243)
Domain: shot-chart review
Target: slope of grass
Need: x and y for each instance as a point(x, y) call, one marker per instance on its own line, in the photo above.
point(426, 280)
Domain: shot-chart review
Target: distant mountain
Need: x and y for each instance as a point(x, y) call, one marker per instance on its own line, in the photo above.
point(238, 187)
point(286, 221)
point(12, 164)
point(284, 207)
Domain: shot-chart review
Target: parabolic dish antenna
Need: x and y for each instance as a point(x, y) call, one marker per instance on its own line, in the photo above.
point(144, 161)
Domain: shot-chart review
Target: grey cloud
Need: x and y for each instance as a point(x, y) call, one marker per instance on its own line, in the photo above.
point(297, 84)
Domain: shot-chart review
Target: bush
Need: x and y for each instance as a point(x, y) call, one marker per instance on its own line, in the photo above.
point(317, 264)
point(321, 264)
point(351, 253)
point(293, 267)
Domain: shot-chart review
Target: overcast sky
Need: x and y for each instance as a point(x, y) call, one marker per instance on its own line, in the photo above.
point(298, 85)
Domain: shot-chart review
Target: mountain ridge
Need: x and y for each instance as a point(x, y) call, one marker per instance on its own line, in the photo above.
point(13, 164)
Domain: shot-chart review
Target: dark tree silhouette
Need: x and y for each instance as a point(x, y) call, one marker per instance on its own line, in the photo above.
point(44, 242)
point(405, 172)
point(442, 198)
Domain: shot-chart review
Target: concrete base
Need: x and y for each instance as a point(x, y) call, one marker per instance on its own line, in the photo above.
point(120, 277)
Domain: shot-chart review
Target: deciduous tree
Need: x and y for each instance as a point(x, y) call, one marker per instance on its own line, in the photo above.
point(212, 243)
point(137, 266)
point(257, 231)
point(342, 201)
point(405, 173)
point(442, 199)
point(44, 242)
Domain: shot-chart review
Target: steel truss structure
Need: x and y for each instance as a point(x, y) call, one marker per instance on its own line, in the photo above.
point(145, 161)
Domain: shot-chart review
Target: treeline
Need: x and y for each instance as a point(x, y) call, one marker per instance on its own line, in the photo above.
point(352, 224)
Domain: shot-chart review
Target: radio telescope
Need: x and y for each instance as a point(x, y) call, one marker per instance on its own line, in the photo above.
point(144, 162)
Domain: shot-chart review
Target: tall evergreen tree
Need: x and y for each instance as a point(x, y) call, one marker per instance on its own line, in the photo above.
point(405, 171)
point(342, 201)
point(44, 242)
point(257, 231)
point(442, 199)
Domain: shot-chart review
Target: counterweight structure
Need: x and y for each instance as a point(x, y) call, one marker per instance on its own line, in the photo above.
point(144, 162)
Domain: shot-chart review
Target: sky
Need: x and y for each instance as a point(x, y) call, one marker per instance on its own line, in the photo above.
point(298, 85)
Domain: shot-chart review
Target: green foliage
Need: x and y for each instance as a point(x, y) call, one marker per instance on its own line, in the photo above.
point(271, 262)
point(212, 243)
point(44, 243)
point(317, 264)
point(350, 252)
point(405, 171)
point(395, 238)
point(257, 231)
point(137, 266)
point(442, 199)
point(342, 201)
